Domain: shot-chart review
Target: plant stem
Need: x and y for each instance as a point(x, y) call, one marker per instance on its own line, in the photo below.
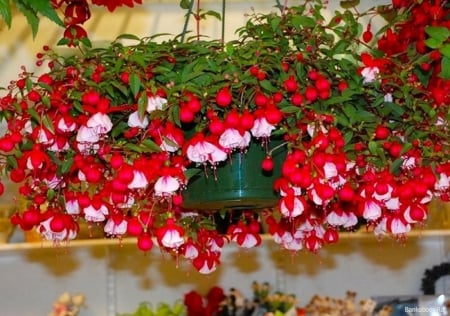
point(223, 21)
point(197, 20)
point(186, 21)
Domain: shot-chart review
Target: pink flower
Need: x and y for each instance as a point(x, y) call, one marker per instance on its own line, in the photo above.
point(231, 138)
point(261, 128)
point(135, 121)
point(166, 185)
point(100, 122)
point(155, 103)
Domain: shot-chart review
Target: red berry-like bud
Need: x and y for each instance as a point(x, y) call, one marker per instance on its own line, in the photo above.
point(216, 127)
point(290, 84)
point(346, 193)
point(134, 227)
point(186, 115)
point(267, 164)
point(311, 94)
point(382, 132)
point(57, 223)
point(224, 97)
point(145, 242)
point(367, 36)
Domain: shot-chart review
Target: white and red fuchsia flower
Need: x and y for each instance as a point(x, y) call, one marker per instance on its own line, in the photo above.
point(246, 235)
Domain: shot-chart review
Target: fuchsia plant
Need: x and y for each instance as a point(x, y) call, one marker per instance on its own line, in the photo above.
point(112, 136)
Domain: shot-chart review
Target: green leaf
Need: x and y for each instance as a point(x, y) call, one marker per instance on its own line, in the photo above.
point(142, 105)
point(185, 4)
point(34, 114)
point(12, 162)
point(151, 145)
point(30, 15)
point(45, 8)
point(347, 4)
point(445, 68)
point(439, 33)
point(445, 50)
point(373, 147)
point(214, 14)
point(133, 147)
point(395, 167)
point(433, 43)
point(50, 194)
point(119, 129)
point(267, 86)
point(48, 123)
point(5, 12)
point(66, 165)
point(189, 173)
point(135, 84)
point(301, 21)
point(128, 37)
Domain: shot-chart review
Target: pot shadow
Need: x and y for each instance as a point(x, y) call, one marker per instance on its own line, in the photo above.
point(306, 262)
point(245, 260)
point(391, 253)
point(155, 267)
point(58, 261)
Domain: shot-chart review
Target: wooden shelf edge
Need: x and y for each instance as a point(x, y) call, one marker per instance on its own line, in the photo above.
point(98, 242)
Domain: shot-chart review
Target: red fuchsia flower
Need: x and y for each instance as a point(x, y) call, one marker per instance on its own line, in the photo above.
point(203, 150)
point(245, 235)
point(194, 304)
point(292, 206)
point(112, 5)
point(190, 250)
point(233, 139)
point(96, 211)
point(155, 102)
point(116, 225)
point(134, 120)
point(206, 262)
point(262, 128)
point(73, 34)
point(170, 235)
point(58, 227)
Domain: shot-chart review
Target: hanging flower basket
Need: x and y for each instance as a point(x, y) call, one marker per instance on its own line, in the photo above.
point(137, 137)
point(237, 184)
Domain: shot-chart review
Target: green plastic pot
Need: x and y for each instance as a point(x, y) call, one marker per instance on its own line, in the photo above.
point(238, 183)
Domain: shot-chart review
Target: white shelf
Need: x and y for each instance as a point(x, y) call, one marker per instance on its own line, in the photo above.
point(99, 242)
